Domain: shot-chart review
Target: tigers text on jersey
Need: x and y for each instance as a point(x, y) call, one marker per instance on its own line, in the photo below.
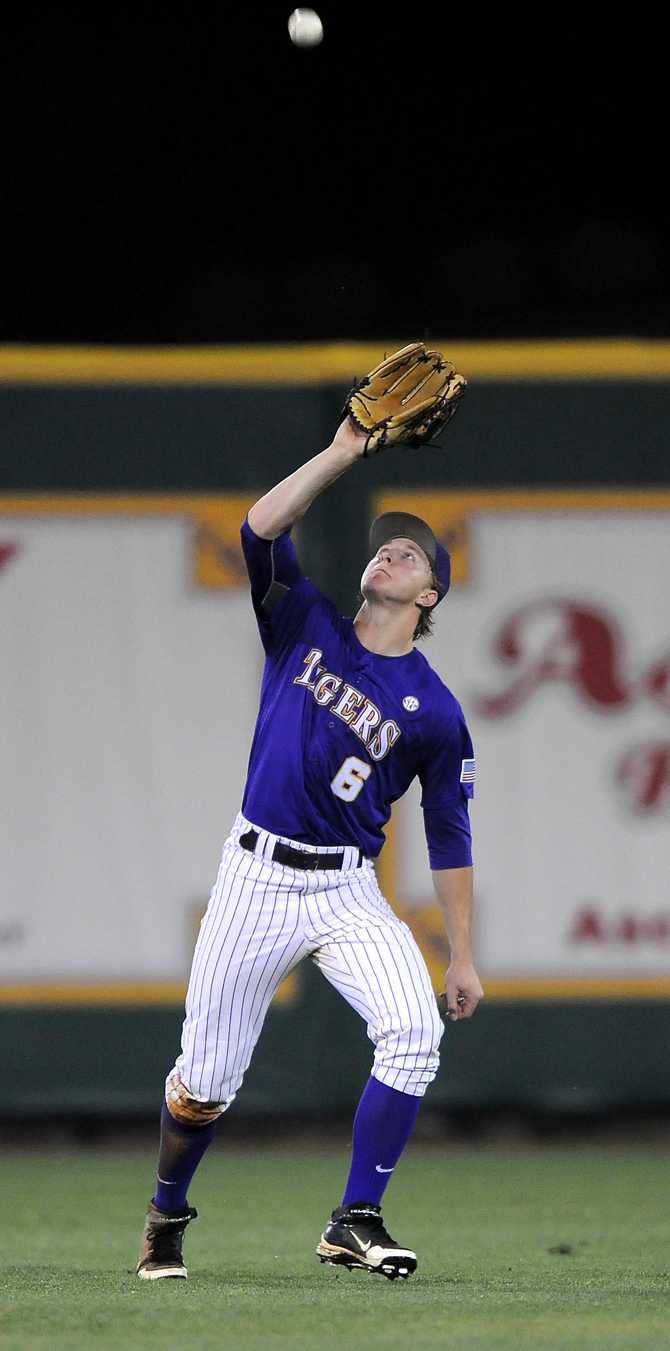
point(342, 732)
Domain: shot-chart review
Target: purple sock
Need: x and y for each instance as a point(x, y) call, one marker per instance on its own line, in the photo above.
point(382, 1126)
point(181, 1150)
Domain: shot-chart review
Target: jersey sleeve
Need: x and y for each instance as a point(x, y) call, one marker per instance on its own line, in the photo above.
point(447, 780)
point(281, 594)
point(448, 835)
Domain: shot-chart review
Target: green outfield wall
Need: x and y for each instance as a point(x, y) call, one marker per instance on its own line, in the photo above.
point(573, 1057)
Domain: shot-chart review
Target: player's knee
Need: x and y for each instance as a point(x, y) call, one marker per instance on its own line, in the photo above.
point(428, 1056)
point(426, 1044)
point(188, 1108)
point(415, 1040)
point(424, 1032)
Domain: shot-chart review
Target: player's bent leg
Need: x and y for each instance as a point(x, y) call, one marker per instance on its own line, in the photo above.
point(407, 1036)
point(188, 1125)
point(250, 939)
point(187, 1129)
point(248, 942)
point(379, 969)
point(356, 1236)
point(182, 1145)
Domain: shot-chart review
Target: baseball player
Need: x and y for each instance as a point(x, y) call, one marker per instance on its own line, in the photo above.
point(350, 713)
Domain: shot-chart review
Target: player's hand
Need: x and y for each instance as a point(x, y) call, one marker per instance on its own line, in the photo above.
point(348, 438)
point(463, 989)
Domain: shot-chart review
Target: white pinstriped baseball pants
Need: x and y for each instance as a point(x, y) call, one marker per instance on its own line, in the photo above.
point(262, 919)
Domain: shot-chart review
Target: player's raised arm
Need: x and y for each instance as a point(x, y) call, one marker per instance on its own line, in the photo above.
point(290, 499)
point(408, 398)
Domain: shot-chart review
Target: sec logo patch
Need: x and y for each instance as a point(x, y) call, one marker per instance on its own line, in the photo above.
point(411, 703)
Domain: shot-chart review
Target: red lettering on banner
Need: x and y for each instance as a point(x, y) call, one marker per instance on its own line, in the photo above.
point(657, 681)
point(590, 926)
point(7, 551)
point(582, 648)
point(587, 928)
point(644, 775)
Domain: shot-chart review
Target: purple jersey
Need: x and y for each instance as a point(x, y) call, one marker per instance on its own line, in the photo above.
point(342, 732)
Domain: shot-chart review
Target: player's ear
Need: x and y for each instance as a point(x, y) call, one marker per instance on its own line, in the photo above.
point(427, 598)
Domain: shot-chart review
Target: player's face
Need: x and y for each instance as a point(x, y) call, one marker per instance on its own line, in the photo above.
point(400, 572)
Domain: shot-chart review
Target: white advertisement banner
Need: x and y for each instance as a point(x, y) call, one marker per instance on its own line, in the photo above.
point(130, 684)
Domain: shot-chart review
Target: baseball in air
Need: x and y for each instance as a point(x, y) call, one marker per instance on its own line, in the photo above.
point(305, 28)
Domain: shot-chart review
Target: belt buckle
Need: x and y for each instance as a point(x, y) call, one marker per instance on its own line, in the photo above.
point(310, 863)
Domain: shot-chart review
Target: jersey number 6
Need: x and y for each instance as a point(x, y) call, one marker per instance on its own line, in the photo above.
point(350, 778)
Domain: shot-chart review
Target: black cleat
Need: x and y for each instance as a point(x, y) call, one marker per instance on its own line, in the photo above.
point(356, 1237)
point(162, 1242)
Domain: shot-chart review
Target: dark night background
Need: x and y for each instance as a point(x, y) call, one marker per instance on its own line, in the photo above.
point(183, 174)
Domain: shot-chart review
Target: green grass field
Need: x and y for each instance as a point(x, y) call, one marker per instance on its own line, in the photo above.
point(483, 1220)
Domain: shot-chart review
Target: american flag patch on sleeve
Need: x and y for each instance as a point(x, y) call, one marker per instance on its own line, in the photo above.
point(468, 771)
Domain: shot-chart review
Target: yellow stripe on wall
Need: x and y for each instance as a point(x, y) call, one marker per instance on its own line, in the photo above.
point(498, 990)
point(314, 363)
point(48, 994)
point(83, 503)
point(587, 987)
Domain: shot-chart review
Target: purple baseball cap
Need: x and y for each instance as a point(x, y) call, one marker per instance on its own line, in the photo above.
point(401, 525)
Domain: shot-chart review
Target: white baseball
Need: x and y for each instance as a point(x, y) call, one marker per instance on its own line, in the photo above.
point(305, 28)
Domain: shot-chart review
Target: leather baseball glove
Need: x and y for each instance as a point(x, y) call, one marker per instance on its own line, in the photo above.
point(409, 397)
